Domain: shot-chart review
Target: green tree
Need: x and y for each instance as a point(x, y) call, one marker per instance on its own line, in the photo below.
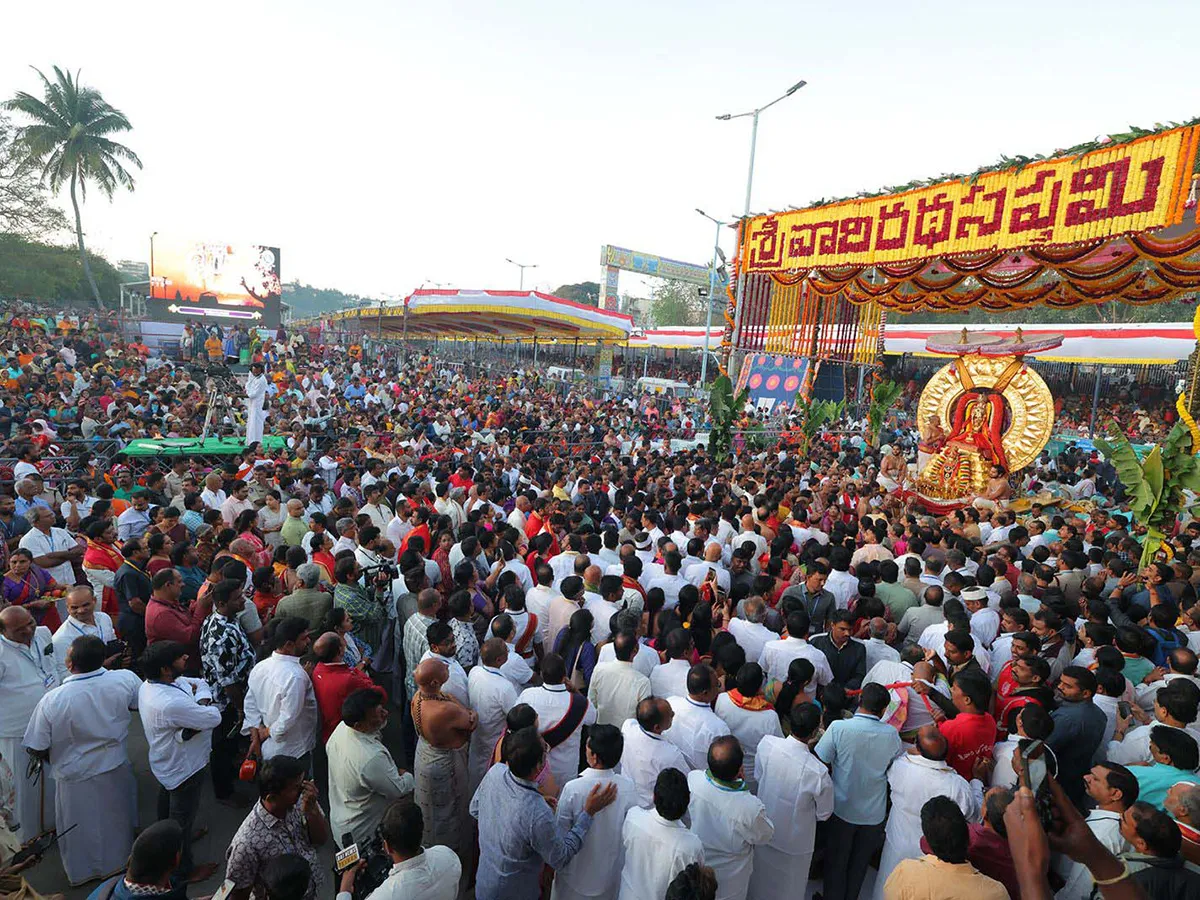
point(38, 271)
point(675, 303)
point(26, 207)
point(587, 292)
point(69, 138)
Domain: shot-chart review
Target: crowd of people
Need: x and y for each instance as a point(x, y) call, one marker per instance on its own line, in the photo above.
point(504, 641)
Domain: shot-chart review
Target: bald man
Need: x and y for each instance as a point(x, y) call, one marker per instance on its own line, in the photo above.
point(28, 671)
point(915, 777)
point(440, 767)
point(710, 568)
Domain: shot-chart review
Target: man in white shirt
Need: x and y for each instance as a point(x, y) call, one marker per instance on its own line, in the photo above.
point(280, 709)
point(515, 669)
point(178, 716)
point(1181, 664)
point(797, 792)
point(749, 716)
point(363, 778)
point(491, 696)
point(729, 820)
point(840, 582)
point(53, 548)
point(915, 777)
point(1112, 786)
point(134, 522)
point(647, 752)
point(442, 646)
point(562, 713)
point(617, 687)
point(80, 729)
point(696, 726)
point(750, 633)
point(670, 581)
point(538, 599)
point(417, 873)
point(645, 660)
point(777, 655)
point(711, 567)
point(669, 679)
point(658, 845)
point(594, 873)
point(213, 496)
point(985, 621)
point(82, 619)
point(28, 670)
point(878, 650)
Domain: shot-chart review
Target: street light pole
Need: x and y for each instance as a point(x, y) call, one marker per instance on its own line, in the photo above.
point(152, 234)
point(741, 282)
point(712, 291)
point(522, 267)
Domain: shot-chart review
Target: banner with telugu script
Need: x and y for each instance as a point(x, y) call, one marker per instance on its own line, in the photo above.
point(1130, 187)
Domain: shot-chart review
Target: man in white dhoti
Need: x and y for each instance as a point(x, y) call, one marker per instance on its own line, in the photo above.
point(797, 792)
point(594, 873)
point(562, 713)
point(915, 777)
point(658, 845)
point(82, 619)
point(80, 728)
point(27, 672)
point(491, 696)
point(696, 726)
point(729, 820)
point(256, 414)
point(647, 752)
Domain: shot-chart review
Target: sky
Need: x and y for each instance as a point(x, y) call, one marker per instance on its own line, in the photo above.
point(388, 145)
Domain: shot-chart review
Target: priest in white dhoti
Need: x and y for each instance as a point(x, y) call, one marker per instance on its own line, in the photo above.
point(80, 728)
point(749, 716)
point(594, 873)
point(256, 414)
point(562, 713)
point(27, 672)
point(491, 695)
point(82, 619)
point(729, 820)
point(797, 792)
point(913, 778)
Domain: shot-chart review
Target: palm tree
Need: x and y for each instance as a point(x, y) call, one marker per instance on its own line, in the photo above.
point(68, 137)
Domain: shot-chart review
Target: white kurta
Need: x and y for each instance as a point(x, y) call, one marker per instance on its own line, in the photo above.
point(26, 674)
point(695, 727)
point(551, 702)
point(491, 696)
point(644, 756)
point(84, 724)
point(594, 873)
point(730, 824)
point(797, 792)
point(749, 726)
point(656, 850)
point(256, 414)
point(913, 780)
point(1106, 826)
point(71, 629)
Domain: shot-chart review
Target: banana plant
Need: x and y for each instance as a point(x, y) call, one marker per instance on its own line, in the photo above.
point(1154, 485)
point(812, 414)
point(724, 408)
point(883, 397)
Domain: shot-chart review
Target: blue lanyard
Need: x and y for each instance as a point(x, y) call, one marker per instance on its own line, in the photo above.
point(99, 628)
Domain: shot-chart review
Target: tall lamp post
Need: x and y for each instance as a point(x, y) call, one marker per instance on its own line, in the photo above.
point(741, 282)
point(712, 291)
point(153, 234)
point(522, 267)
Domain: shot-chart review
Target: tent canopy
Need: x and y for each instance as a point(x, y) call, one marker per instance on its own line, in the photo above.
point(493, 316)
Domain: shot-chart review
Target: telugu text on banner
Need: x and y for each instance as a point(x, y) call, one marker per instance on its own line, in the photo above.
point(1129, 187)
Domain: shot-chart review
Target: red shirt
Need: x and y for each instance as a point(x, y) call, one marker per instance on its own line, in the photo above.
point(970, 736)
point(332, 684)
point(176, 623)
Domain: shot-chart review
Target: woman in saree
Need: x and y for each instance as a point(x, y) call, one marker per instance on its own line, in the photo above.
point(160, 547)
point(100, 563)
point(441, 556)
point(246, 526)
point(30, 586)
point(321, 546)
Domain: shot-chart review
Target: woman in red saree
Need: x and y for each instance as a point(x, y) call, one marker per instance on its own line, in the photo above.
point(30, 586)
point(441, 556)
point(247, 528)
point(100, 563)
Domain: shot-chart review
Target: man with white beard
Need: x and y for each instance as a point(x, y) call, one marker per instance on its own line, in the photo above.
point(27, 672)
point(491, 695)
point(915, 777)
point(80, 728)
point(256, 414)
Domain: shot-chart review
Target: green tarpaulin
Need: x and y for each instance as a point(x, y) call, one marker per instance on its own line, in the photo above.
point(195, 446)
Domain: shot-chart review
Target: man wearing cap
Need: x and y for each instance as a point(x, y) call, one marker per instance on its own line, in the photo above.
point(985, 621)
point(256, 414)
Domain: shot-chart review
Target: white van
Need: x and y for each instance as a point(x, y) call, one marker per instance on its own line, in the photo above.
point(561, 373)
point(664, 386)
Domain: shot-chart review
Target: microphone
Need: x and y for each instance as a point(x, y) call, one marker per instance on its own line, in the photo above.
point(347, 857)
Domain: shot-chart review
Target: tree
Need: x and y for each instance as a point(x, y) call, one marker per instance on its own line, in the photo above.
point(724, 409)
point(68, 137)
point(675, 303)
point(26, 207)
point(586, 292)
point(38, 271)
point(883, 397)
